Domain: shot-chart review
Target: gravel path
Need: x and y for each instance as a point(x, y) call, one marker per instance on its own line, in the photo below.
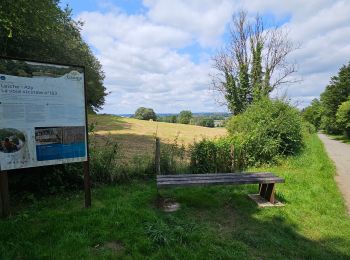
point(340, 154)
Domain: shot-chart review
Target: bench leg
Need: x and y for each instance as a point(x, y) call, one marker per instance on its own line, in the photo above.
point(267, 191)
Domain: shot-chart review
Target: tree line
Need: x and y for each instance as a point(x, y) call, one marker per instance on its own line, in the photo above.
point(184, 117)
point(332, 111)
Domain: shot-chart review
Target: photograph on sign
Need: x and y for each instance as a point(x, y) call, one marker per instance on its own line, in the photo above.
point(42, 114)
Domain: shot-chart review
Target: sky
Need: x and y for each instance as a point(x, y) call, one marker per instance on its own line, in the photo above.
point(158, 53)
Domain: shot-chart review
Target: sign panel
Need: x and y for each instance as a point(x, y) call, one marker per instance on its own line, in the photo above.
point(42, 114)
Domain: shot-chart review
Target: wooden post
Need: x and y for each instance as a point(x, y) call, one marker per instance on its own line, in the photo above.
point(267, 191)
point(263, 188)
point(232, 153)
point(87, 184)
point(4, 195)
point(270, 193)
point(157, 156)
point(87, 179)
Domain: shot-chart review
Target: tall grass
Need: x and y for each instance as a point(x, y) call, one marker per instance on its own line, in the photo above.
point(218, 222)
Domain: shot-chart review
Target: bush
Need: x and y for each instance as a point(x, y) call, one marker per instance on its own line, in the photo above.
point(104, 164)
point(309, 128)
point(343, 117)
point(270, 128)
point(206, 121)
point(330, 125)
point(220, 155)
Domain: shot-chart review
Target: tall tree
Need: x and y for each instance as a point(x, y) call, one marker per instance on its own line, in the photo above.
point(144, 113)
point(253, 64)
point(335, 93)
point(343, 117)
point(185, 117)
point(313, 113)
point(41, 30)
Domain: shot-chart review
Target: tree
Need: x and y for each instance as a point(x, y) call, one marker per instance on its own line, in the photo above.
point(185, 117)
point(343, 117)
point(206, 121)
point(313, 113)
point(41, 30)
point(144, 113)
point(253, 64)
point(336, 93)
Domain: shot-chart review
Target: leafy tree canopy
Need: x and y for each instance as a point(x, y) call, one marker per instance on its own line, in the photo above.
point(313, 113)
point(41, 30)
point(185, 117)
point(206, 121)
point(336, 93)
point(144, 113)
point(343, 117)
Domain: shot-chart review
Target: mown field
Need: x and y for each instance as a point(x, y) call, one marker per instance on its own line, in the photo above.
point(136, 137)
point(213, 223)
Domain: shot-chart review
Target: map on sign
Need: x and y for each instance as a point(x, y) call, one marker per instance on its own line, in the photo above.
point(42, 114)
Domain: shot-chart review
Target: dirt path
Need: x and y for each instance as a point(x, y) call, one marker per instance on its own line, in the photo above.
point(340, 154)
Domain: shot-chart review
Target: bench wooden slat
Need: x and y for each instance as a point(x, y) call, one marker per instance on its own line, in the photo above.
point(217, 182)
point(208, 177)
point(208, 183)
point(212, 174)
point(266, 180)
point(251, 180)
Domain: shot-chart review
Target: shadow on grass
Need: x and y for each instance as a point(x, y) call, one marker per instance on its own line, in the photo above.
point(108, 123)
point(213, 223)
point(341, 138)
point(338, 137)
point(260, 232)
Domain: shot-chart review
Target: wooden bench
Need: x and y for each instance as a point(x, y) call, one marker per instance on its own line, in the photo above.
point(266, 181)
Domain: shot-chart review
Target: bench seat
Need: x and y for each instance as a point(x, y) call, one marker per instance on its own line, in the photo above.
point(266, 181)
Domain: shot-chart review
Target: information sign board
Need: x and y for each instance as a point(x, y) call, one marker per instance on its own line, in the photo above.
point(42, 114)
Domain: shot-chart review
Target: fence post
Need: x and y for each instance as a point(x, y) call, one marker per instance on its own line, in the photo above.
point(4, 195)
point(87, 184)
point(232, 153)
point(157, 156)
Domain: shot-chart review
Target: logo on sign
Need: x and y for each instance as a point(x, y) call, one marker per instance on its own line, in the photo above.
point(2, 77)
point(74, 75)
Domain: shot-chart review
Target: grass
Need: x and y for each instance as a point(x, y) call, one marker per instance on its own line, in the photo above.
point(213, 222)
point(341, 138)
point(136, 137)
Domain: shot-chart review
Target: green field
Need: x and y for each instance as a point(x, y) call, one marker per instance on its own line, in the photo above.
point(213, 222)
point(136, 137)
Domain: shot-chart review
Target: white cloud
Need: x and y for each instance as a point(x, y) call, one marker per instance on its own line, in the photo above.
point(204, 19)
point(322, 27)
point(144, 67)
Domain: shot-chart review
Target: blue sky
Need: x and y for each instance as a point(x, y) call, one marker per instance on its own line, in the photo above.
point(157, 53)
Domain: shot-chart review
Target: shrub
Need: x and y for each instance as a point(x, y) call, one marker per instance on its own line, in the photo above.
point(173, 157)
point(206, 121)
point(343, 117)
point(309, 128)
point(270, 128)
point(104, 165)
point(220, 155)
